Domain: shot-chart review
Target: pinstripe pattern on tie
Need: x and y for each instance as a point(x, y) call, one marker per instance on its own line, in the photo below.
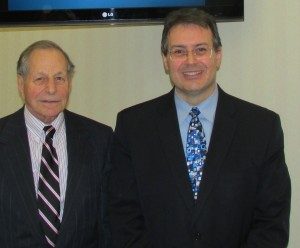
point(48, 189)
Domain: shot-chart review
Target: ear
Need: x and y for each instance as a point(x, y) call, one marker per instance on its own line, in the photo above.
point(21, 83)
point(219, 55)
point(165, 62)
point(70, 85)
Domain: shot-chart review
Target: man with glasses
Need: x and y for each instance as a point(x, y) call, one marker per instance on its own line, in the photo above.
point(197, 167)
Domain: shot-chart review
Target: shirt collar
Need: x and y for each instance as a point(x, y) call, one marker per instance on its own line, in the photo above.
point(35, 126)
point(207, 107)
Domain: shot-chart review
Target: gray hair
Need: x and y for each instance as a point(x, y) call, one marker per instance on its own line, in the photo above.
point(190, 16)
point(22, 64)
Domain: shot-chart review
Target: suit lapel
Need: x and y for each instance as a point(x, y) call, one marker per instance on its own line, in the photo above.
point(18, 154)
point(77, 150)
point(223, 131)
point(168, 129)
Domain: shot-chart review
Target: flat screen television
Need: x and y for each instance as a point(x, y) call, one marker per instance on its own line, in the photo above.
point(68, 12)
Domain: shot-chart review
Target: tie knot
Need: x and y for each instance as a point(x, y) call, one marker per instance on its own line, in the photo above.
point(194, 112)
point(49, 131)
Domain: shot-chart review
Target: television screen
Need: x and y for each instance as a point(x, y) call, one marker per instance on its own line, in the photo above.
point(39, 12)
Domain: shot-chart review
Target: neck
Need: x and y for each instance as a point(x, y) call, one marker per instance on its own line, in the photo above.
point(195, 98)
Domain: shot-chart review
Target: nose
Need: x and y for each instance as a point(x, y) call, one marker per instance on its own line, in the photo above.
point(51, 86)
point(191, 57)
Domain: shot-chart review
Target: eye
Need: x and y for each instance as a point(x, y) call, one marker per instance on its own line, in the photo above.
point(40, 80)
point(178, 52)
point(60, 79)
point(201, 50)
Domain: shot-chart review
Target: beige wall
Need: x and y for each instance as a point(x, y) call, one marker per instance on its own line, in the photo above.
point(121, 66)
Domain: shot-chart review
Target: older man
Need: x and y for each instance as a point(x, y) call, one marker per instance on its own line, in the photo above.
point(52, 161)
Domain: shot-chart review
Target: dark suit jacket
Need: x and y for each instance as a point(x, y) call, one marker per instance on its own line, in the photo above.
point(244, 198)
point(82, 225)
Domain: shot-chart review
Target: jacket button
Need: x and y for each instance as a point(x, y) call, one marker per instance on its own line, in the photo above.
point(197, 236)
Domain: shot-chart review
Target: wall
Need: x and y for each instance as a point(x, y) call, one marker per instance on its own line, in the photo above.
point(119, 66)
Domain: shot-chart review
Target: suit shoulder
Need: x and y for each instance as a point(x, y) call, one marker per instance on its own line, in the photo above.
point(85, 121)
point(3, 122)
point(251, 109)
point(146, 106)
point(10, 118)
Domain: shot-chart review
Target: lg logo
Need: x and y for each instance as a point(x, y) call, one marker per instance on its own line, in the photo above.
point(105, 14)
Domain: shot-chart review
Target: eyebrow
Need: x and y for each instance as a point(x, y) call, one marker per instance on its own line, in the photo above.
point(184, 46)
point(61, 74)
point(38, 74)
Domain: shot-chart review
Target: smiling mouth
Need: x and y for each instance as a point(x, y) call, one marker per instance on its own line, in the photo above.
point(193, 74)
point(46, 101)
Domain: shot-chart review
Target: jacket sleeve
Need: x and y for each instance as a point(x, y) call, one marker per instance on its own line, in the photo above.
point(270, 227)
point(127, 222)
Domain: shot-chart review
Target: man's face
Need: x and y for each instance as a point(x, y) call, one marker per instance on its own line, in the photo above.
point(194, 76)
point(46, 88)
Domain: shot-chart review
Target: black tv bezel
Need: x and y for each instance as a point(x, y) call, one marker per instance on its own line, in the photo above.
point(136, 16)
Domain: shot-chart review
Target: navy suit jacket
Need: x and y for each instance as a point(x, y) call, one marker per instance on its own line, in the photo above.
point(82, 225)
point(244, 197)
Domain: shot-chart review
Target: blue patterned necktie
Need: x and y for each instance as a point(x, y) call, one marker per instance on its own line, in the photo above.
point(195, 150)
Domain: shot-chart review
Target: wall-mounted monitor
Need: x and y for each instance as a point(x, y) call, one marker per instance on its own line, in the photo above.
point(68, 12)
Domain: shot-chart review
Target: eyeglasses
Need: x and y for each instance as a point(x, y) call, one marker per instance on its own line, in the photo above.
point(181, 53)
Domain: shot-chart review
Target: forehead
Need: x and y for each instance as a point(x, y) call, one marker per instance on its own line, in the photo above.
point(189, 33)
point(47, 59)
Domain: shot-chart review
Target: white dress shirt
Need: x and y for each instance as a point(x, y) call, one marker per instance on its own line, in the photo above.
point(36, 137)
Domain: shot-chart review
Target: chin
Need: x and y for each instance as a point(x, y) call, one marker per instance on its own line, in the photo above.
point(195, 90)
point(51, 114)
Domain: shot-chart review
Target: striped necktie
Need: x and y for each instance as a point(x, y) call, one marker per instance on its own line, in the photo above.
point(48, 189)
point(195, 150)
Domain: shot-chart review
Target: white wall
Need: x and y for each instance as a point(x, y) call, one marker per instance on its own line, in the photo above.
point(120, 66)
